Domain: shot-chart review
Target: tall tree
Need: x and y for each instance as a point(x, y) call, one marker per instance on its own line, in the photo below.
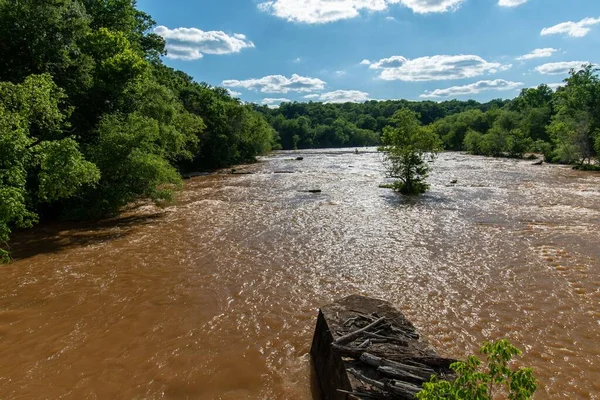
point(409, 147)
point(576, 125)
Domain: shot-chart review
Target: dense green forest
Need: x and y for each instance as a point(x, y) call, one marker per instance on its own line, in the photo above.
point(563, 125)
point(92, 120)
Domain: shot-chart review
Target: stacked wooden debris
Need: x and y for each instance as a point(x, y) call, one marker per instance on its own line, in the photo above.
point(364, 348)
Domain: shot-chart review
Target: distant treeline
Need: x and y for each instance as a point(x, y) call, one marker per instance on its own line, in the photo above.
point(91, 120)
point(563, 125)
point(320, 125)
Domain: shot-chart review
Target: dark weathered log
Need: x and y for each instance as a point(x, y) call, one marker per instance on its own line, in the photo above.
point(404, 389)
point(362, 378)
point(375, 361)
point(434, 362)
point(355, 352)
point(357, 333)
point(390, 339)
point(400, 374)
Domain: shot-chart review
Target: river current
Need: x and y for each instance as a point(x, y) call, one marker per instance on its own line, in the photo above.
point(215, 296)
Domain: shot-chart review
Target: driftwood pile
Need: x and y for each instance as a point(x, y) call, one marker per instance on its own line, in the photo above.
point(365, 349)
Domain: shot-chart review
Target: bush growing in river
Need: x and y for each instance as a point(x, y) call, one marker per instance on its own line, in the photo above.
point(408, 148)
point(475, 382)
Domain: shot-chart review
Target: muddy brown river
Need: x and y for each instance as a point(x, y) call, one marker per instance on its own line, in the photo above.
point(215, 296)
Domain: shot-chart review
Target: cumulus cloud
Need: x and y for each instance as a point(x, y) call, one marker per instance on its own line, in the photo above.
point(365, 62)
point(193, 43)
point(233, 93)
point(279, 84)
point(560, 68)
point(435, 68)
point(319, 11)
point(274, 103)
point(340, 96)
point(538, 53)
point(473, 88)
point(570, 28)
point(344, 96)
point(511, 3)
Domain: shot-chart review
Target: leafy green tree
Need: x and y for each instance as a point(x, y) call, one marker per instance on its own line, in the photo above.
point(408, 148)
point(475, 382)
point(473, 142)
point(517, 143)
point(577, 121)
point(38, 163)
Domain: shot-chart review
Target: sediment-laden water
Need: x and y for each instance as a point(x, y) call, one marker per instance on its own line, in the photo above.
point(215, 296)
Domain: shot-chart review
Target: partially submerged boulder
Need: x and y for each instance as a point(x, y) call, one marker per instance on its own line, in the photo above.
point(365, 348)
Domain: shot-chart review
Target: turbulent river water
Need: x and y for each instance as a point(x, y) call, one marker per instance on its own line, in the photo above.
point(215, 296)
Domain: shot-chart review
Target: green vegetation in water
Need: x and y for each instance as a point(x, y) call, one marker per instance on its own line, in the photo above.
point(587, 167)
point(408, 149)
point(475, 381)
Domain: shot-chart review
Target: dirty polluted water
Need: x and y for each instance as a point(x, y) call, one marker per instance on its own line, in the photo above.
point(215, 296)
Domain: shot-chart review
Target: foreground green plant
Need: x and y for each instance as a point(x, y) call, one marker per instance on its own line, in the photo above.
point(476, 382)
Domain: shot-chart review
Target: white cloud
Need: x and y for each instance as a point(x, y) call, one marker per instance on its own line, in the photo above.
point(538, 53)
point(297, 60)
point(323, 11)
point(312, 96)
point(560, 68)
point(390, 18)
point(274, 103)
point(473, 88)
point(233, 93)
point(279, 84)
point(193, 43)
point(435, 68)
point(340, 73)
point(344, 96)
point(511, 3)
point(365, 62)
point(570, 28)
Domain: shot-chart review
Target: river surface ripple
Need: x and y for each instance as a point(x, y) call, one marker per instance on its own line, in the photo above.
point(215, 296)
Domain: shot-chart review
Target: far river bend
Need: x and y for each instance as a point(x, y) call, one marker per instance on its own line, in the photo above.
point(215, 296)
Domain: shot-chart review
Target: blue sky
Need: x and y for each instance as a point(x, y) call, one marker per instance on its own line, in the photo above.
point(353, 50)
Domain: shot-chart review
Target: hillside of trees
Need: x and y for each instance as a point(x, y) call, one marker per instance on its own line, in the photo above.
point(90, 118)
point(563, 125)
